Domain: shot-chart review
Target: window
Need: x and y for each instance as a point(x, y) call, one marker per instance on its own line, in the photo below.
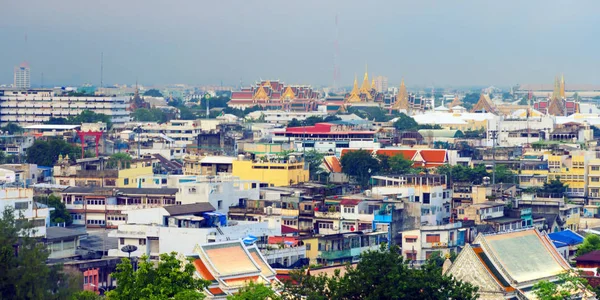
point(220, 204)
point(426, 198)
point(21, 205)
point(595, 179)
point(122, 241)
point(349, 210)
point(595, 168)
point(126, 181)
point(432, 238)
point(411, 240)
point(142, 242)
point(307, 246)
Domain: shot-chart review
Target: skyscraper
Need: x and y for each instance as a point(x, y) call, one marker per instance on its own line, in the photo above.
point(22, 77)
point(381, 84)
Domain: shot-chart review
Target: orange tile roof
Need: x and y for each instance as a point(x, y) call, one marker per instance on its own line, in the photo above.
point(203, 270)
point(230, 258)
point(240, 281)
point(265, 269)
point(216, 291)
point(333, 164)
point(433, 155)
point(406, 153)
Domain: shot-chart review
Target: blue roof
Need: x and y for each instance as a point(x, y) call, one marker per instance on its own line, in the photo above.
point(565, 238)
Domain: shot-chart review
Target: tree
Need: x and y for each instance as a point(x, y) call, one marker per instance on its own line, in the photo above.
point(567, 287)
point(150, 115)
point(360, 164)
point(153, 93)
point(255, 291)
point(86, 116)
point(470, 99)
point(119, 161)
point(12, 128)
point(406, 123)
point(460, 173)
point(400, 165)
point(186, 114)
point(554, 188)
point(86, 295)
point(381, 274)
point(23, 270)
point(166, 280)
point(294, 123)
point(60, 214)
point(314, 160)
point(504, 174)
point(45, 153)
point(590, 243)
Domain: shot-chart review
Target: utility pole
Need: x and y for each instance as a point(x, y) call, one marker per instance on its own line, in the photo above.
point(494, 134)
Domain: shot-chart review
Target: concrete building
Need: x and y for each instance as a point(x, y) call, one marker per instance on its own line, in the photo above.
point(180, 228)
point(419, 244)
point(283, 117)
point(381, 83)
point(35, 106)
point(25, 209)
point(275, 172)
point(22, 76)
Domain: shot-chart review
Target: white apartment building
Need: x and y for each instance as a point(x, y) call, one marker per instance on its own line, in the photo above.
point(283, 117)
point(22, 76)
point(429, 190)
point(21, 200)
point(419, 244)
point(35, 106)
point(180, 228)
point(519, 130)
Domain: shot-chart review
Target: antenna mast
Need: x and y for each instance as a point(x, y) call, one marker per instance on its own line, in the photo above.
point(102, 70)
point(336, 50)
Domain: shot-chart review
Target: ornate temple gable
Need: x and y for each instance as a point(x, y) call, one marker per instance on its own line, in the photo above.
point(402, 98)
point(556, 107)
point(455, 102)
point(485, 105)
point(260, 94)
point(354, 94)
point(469, 268)
point(288, 94)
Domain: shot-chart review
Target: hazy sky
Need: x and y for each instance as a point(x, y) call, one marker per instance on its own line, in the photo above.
point(205, 42)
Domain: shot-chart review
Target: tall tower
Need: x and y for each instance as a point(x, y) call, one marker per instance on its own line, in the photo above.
point(562, 86)
point(336, 50)
point(22, 76)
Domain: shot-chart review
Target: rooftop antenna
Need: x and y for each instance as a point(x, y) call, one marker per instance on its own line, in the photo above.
point(42, 80)
point(102, 70)
point(336, 50)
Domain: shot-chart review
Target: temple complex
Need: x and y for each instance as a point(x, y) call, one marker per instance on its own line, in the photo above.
point(365, 94)
point(557, 104)
point(275, 95)
point(484, 105)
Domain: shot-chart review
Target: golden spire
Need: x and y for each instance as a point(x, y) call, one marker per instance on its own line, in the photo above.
point(365, 88)
point(402, 98)
point(354, 97)
point(562, 86)
point(373, 87)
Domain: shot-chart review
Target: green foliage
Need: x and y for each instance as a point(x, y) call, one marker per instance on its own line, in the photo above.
point(524, 101)
point(554, 187)
point(400, 165)
point(294, 123)
point(186, 114)
point(406, 123)
point(86, 116)
point(590, 243)
point(470, 100)
point(461, 173)
point(167, 280)
point(314, 160)
point(12, 128)
point(153, 93)
point(60, 214)
point(23, 270)
point(567, 287)
point(358, 163)
point(504, 174)
point(311, 121)
point(119, 161)
point(381, 274)
point(220, 101)
point(45, 153)
point(376, 114)
point(86, 295)
point(255, 291)
point(150, 115)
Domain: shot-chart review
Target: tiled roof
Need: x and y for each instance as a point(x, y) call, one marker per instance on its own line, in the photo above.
point(350, 202)
point(288, 229)
point(433, 155)
point(265, 269)
point(216, 291)
point(239, 282)
point(283, 239)
point(333, 164)
point(203, 270)
point(230, 258)
point(593, 256)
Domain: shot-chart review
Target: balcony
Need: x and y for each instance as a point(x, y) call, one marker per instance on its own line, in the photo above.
point(328, 215)
point(339, 254)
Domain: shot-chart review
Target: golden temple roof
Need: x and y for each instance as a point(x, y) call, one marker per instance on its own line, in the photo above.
point(401, 98)
point(288, 94)
point(354, 97)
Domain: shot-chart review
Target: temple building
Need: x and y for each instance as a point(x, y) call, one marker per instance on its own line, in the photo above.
point(507, 265)
point(365, 94)
point(557, 104)
point(271, 95)
point(229, 266)
point(485, 105)
point(137, 101)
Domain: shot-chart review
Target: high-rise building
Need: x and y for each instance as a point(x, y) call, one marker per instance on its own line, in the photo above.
point(381, 84)
point(22, 76)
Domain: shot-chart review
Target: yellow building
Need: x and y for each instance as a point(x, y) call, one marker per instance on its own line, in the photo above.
point(570, 170)
point(128, 177)
point(593, 169)
point(274, 172)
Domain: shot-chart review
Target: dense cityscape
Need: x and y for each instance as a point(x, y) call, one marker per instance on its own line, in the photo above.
point(377, 186)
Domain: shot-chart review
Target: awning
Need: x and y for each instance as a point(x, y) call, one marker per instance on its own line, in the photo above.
point(413, 237)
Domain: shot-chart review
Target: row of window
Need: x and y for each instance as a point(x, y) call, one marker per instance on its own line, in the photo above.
point(95, 222)
point(290, 222)
point(116, 218)
point(141, 242)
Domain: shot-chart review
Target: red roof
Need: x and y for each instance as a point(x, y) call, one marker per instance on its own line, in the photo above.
point(333, 164)
point(350, 202)
point(216, 291)
point(570, 104)
point(317, 128)
point(433, 156)
point(283, 239)
point(406, 153)
point(288, 230)
point(593, 256)
point(203, 270)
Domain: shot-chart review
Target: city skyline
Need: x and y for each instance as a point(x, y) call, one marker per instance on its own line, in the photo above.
point(439, 44)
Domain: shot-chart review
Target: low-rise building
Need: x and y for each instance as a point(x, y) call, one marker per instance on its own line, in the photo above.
point(26, 209)
point(273, 171)
point(342, 247)
point(419, 244)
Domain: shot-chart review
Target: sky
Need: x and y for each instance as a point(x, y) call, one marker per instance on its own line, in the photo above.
point(201, 42)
